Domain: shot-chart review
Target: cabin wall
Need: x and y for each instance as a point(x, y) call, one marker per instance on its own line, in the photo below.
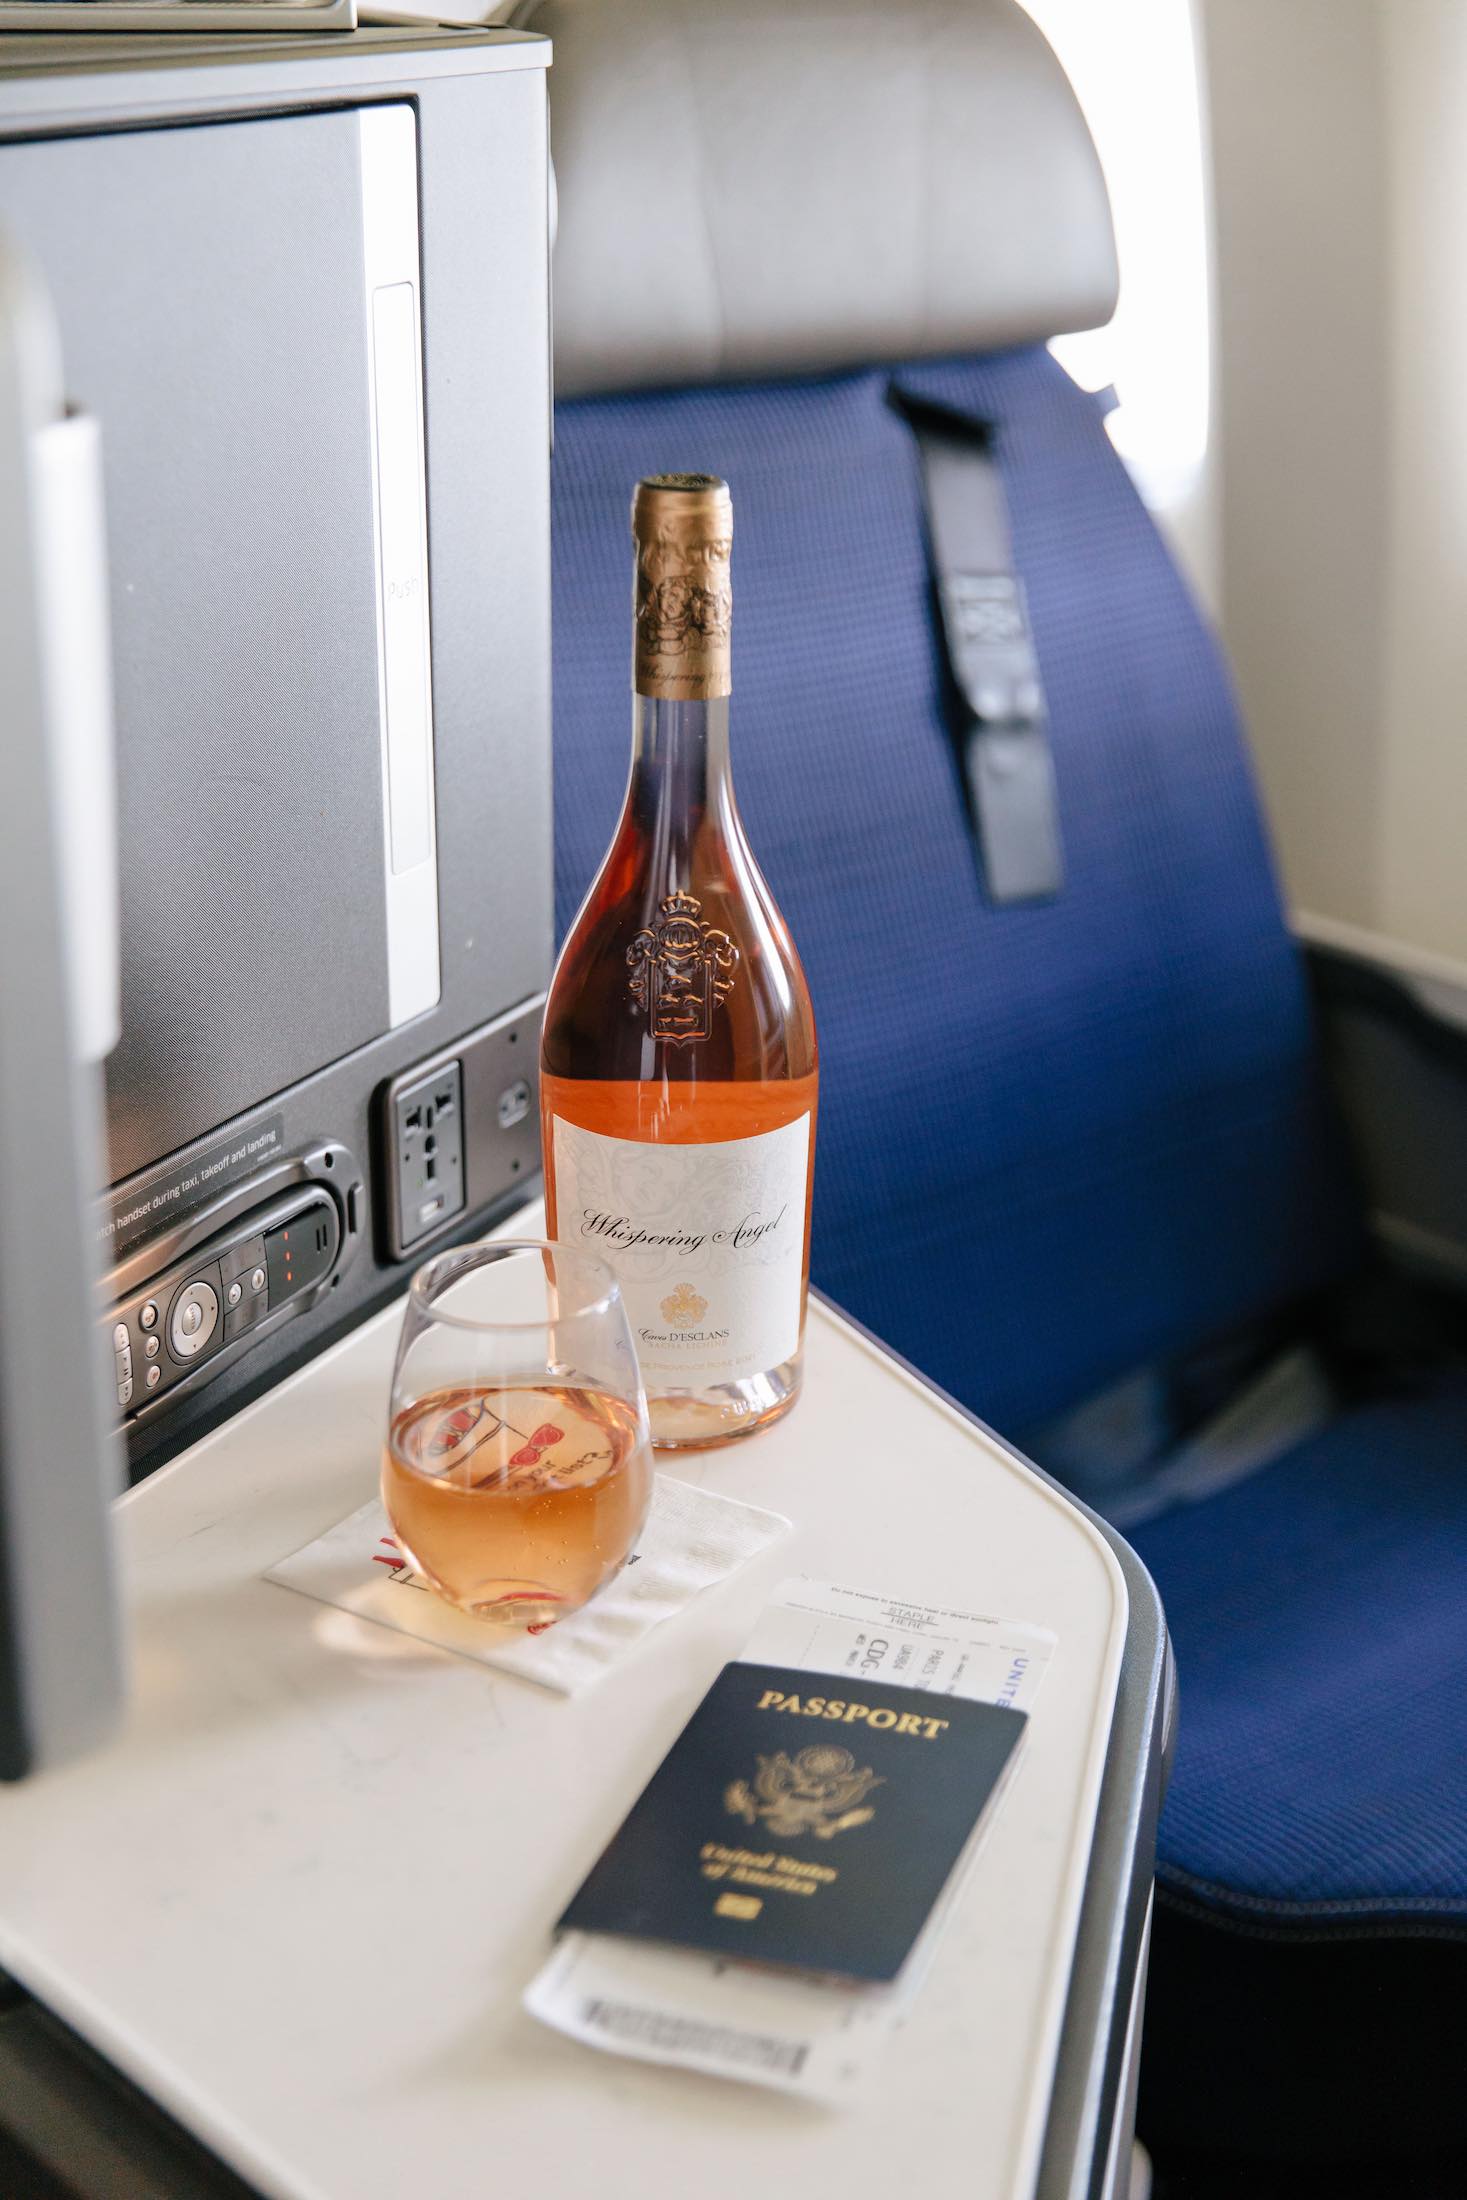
point(1134, 65)
point(1339, 148)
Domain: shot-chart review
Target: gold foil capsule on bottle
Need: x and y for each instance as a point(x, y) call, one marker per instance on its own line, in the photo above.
point(683, 527)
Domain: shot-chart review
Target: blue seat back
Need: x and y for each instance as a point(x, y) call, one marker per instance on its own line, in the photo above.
point(1056, 1142)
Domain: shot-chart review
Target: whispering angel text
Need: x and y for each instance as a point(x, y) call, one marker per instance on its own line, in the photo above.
point(622, 1231)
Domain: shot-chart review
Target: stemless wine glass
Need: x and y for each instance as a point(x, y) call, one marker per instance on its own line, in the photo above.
point(517, 1470)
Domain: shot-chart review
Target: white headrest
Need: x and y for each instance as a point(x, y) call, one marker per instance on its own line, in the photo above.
point(753, 187)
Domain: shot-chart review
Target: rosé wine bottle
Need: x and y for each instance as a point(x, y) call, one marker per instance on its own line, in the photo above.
point(678, 1064)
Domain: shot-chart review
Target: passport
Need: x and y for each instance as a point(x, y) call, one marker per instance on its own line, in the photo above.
point(802, 1819)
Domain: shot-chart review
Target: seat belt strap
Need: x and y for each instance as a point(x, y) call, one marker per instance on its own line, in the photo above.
point(1003, 731)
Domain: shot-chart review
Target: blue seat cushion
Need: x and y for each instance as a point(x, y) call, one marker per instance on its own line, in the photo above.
point(1319, 1617)
point(1056, 1141)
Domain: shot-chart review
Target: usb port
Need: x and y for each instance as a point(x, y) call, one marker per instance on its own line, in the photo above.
point(430, 1208)
point(514, 1105)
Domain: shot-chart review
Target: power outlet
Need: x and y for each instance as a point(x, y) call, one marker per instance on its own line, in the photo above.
point(484, 1127)
point(426, 1130)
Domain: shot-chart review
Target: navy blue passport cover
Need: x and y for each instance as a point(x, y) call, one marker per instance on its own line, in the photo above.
point(802, 1819)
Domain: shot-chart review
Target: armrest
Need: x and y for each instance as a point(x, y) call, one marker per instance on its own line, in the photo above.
point(1393, 1028)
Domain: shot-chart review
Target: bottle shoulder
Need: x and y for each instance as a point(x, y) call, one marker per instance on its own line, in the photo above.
point(684, 972)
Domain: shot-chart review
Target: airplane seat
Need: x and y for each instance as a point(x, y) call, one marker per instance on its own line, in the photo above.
point(1066, 1144)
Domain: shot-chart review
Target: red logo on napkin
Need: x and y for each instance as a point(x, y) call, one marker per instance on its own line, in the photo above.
point(543, 1437)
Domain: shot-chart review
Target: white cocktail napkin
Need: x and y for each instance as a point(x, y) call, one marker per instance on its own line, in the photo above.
point(692, 1539)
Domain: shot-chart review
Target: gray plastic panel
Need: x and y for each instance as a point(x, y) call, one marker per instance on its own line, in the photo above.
point(60, 1662)
point(479, 99)
point(231, 379)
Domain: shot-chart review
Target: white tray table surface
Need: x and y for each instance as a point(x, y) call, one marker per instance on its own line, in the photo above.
point(299, 1899)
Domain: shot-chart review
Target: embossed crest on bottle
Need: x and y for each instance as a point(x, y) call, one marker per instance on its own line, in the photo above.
point(681, 969)
point(683, 526)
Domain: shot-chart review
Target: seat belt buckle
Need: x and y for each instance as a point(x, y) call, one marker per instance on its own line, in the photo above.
point(1007, 762)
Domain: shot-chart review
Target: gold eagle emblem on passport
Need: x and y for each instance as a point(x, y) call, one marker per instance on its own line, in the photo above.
point(819, 1791)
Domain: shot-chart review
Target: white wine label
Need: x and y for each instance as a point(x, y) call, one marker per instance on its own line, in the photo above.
point(707, 1243)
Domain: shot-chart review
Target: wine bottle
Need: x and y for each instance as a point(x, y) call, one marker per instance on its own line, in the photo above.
point(678, 1062)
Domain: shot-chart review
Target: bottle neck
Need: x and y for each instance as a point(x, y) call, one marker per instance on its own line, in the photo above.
point(680, 781)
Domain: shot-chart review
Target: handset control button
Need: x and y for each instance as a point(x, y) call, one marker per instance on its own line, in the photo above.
point(193, 1321)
